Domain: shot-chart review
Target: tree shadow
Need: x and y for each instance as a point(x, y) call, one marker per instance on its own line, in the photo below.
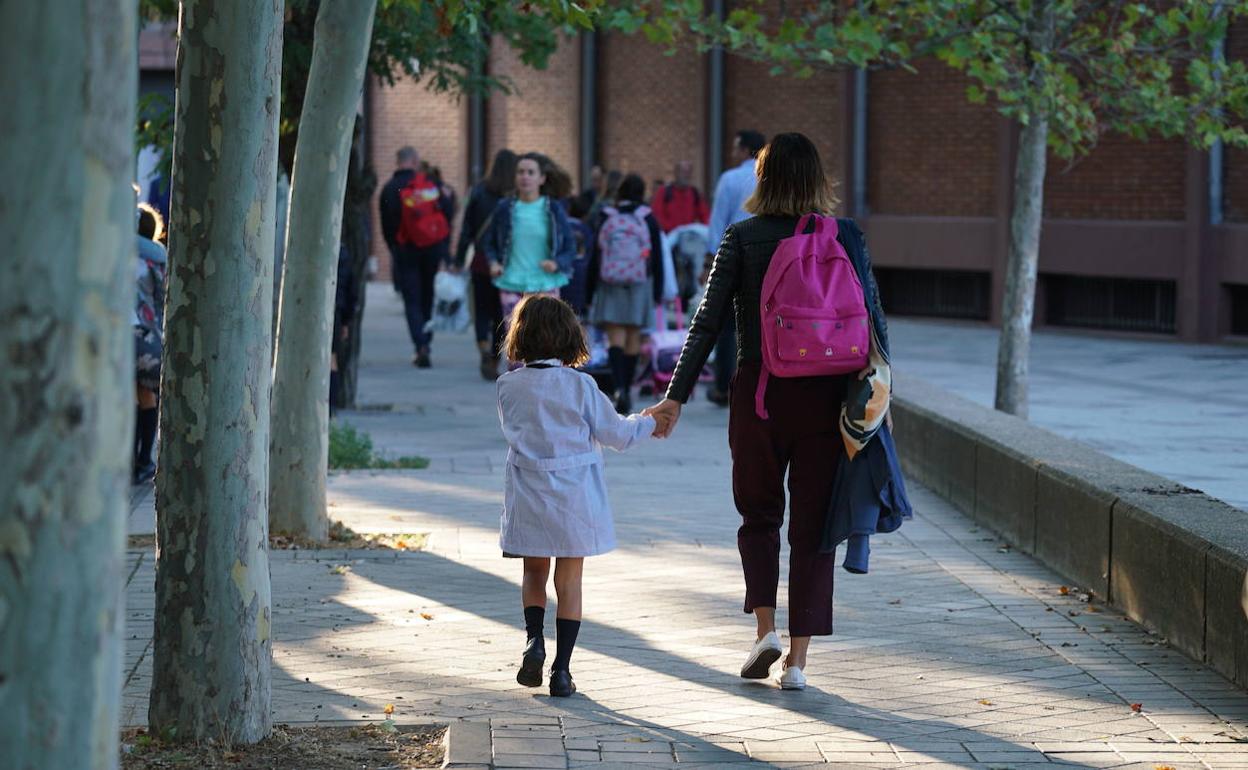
point(448, 579)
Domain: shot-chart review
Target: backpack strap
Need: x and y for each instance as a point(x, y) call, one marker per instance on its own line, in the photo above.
point(760, 393)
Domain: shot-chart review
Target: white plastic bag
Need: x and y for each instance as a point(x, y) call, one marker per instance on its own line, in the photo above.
point(450, 303)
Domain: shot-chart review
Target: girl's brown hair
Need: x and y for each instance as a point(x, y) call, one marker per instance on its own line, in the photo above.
point(545, 327)
point(791, 181)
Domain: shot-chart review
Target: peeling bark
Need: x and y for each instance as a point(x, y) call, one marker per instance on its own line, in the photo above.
point(66, 376)
point(300, 438)
point(1018, 305)
point(212, 645)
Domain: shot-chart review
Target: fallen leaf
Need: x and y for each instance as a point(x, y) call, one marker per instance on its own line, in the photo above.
point(985, 703)
point(1162, 767)
point(426, 616)
point(1137, 707)
point(1063, 590)
point(389, 709)
point(339, 569)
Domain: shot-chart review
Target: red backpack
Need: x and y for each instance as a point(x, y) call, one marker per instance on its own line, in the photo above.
point(422, 224)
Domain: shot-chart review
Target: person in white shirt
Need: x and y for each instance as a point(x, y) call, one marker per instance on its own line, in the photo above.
point(555, 421)
point(735, 187)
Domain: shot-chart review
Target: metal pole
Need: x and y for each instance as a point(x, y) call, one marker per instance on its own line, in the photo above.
point(715, 107)
point(860, 143)
point(476, 123)
point(589, 105)
point(1216, 157)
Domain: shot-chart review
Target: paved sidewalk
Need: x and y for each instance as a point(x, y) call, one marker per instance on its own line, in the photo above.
point(953, 652)
point(1178, 410)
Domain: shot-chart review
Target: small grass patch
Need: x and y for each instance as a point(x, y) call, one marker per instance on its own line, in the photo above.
point(351, 449)
point(368, 747)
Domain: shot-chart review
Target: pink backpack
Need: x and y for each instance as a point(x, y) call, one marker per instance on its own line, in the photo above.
point(814, 318)
point(624, 246)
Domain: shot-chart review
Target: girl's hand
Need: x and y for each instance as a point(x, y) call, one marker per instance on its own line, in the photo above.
point(666, 414)
point(496, 269)
point(550, 265)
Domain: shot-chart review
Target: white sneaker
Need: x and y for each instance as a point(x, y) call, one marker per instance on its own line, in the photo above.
point(792, 679)
point(766, 652)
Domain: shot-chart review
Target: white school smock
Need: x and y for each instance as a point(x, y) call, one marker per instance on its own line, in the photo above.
point(556, 422)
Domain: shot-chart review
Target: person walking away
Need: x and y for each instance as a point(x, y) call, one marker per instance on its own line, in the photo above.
point(529, 243)
point(625, 281)
point(576, 291)
point(679, 203)
point(611, 188)
point(149, 324)
point(734, 188)
point(346, 300)
point(597, 186)
point(555, 505)
point(487, 308)
point(415, 224)
point(785, 423)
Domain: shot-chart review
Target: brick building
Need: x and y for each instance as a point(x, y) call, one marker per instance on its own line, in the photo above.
point(1135, 237)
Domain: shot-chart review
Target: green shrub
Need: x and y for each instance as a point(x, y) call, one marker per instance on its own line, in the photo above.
point(350, 449)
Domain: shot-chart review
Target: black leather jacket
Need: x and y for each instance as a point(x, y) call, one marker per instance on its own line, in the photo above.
point(736, 282)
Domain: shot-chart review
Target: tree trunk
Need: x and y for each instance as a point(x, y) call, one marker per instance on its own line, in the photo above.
point(66, 376)
point(300, 440)
point(361, 183)
point(212, 650)
point(1018, 306)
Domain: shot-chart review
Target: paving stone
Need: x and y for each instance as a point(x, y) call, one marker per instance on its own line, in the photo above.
point(663, 634)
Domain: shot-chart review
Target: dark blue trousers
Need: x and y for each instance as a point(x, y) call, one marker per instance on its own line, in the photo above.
point(414, 272)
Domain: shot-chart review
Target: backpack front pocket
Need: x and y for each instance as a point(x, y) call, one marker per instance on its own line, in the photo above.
point(813, 338)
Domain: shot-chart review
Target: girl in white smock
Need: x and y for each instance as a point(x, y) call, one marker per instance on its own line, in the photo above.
point(556, 421)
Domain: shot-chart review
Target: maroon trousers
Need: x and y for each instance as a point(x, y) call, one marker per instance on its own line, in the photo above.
point(802, 437)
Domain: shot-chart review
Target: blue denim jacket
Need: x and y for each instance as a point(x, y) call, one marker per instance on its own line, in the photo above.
point(497, 239)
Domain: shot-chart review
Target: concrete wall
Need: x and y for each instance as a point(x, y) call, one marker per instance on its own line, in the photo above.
point(1172, 558)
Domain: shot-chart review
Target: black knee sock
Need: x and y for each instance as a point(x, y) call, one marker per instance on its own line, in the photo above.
point(615, 360)
point(566, 641)
point(630, 371)
point(145, 430)
point(534, 619)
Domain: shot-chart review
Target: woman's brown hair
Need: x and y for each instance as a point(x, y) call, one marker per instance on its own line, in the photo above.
point(545, 327)
point(791, 181)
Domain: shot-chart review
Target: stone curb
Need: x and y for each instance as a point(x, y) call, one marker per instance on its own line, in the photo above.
point(1172, 558)
point(468, 746)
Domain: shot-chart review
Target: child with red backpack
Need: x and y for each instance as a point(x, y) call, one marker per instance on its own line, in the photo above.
point(625, 281)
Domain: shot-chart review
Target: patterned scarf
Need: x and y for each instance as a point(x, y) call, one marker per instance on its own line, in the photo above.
point(866, 400)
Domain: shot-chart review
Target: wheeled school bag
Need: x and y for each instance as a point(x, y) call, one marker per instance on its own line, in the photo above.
point(814, 317)
point(422, 223)
point(624, 246)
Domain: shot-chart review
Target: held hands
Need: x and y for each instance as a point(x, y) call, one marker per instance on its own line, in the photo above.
point(495, 269)
point(666, 414)
point(549, 265)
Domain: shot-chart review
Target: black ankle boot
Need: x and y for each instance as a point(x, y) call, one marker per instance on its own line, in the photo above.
point(561, 684)
point(530, 673)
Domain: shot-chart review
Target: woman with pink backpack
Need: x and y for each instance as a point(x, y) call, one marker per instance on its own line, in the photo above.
point(808, 318)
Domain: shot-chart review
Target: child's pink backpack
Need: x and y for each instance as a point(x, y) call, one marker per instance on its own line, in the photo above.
point(624, 246)
point(814, 317)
